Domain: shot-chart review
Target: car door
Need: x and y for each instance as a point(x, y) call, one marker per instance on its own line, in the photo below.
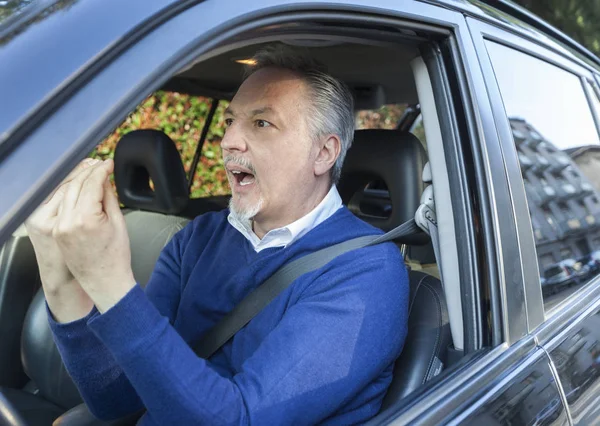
point(506, 377)
point(543, 101)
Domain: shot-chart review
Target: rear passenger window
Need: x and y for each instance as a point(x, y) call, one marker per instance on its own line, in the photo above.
point(386, 117)
point(182, 117)
point(389, 117)
point(554, 131)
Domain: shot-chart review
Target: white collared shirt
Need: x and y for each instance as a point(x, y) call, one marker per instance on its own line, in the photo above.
point(286, 235)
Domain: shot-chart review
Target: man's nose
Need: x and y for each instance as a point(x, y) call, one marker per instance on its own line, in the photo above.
point(234, 139)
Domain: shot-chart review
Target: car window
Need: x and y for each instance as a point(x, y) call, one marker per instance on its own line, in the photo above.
point(385, 117)
point(418, 129)
point(388, 117)
point(182, 118)
point(551, 120)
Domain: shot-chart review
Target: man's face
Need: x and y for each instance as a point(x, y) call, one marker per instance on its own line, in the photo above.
point(268, 152)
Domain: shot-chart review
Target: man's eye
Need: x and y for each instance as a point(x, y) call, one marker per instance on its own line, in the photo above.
point(228, 121)
point(262, 123)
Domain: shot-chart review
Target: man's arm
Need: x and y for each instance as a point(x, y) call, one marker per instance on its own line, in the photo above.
point(99, 378)
point(346, 330)
point(101, 381)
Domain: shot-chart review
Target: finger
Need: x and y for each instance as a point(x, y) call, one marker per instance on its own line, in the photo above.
point(73, 189)
point(51, 206)
point(84, 164)
point(92, 192)
point(110, 202)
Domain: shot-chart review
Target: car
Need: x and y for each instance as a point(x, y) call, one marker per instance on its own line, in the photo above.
point(592, 260)
point(566, 272)
point(556, 276)
point(493, 98)
point(579, 269)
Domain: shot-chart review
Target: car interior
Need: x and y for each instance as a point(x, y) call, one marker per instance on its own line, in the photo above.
point(387, 176)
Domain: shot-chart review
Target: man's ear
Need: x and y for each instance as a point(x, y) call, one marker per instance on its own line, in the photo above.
point(329, 151)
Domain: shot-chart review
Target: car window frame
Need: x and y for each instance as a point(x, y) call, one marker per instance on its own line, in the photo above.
point(592, 92)
point(537, 321)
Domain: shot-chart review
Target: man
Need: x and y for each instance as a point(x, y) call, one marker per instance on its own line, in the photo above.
point(322, 352)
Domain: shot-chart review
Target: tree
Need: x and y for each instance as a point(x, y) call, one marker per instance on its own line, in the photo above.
point(579, 19)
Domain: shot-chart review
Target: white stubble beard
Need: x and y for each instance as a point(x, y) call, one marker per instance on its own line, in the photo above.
point(246, 213)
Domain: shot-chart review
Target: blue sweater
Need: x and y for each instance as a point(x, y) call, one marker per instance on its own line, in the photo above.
point(322, 352)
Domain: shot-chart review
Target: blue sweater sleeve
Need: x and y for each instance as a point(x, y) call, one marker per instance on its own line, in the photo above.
point(98, 376)
point(346, 329)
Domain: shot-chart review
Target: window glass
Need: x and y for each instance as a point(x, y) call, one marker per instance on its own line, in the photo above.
point(418, 129)
point(388, 117)
point(182, 118)
point(555, 135)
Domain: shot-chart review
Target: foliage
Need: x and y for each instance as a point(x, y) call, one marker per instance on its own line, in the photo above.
point(182, 117)
point(12, 8)
point(386, 117)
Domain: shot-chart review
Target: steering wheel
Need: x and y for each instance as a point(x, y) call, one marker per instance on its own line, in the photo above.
point(9, 416)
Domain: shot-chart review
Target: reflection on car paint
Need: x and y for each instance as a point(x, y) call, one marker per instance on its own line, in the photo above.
point(20, 6)
point(531, 398)
point(577, 360)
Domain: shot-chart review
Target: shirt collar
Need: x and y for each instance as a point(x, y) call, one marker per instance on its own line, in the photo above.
point(286, 235)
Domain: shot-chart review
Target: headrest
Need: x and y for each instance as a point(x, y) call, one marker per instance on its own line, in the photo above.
point(142, 155)
point(381, 178)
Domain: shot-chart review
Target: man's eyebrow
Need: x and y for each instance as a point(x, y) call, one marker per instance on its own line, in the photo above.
point(262, 110)
point(254, 112)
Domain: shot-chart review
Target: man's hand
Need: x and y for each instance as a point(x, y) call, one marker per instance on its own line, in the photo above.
point(92, 236)
point(65, 297)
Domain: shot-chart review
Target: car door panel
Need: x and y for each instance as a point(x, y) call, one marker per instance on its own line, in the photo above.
point(529, 395)
point(575, 354)
point(507, 386)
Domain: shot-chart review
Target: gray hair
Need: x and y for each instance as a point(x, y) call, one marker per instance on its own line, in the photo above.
point(332, 109)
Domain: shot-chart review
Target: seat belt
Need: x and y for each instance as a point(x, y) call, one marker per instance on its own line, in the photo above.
point(264, 294)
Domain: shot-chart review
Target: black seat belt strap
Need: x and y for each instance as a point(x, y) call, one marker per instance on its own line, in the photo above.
point(264, 294)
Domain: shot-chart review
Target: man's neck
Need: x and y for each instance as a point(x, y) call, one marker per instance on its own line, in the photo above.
point(301, 209)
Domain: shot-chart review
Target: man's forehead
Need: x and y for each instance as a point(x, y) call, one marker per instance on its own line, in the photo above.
point(269, 88)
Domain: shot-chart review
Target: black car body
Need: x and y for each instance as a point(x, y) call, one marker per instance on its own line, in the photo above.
point(70, 71)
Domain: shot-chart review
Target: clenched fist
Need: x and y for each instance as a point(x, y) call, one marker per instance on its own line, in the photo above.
point(91, 235)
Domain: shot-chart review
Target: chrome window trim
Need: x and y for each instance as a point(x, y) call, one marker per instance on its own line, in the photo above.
point(591, 91)
point(510, 270)
point(567, 315)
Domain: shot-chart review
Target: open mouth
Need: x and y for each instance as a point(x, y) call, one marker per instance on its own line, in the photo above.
point(243, 178)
